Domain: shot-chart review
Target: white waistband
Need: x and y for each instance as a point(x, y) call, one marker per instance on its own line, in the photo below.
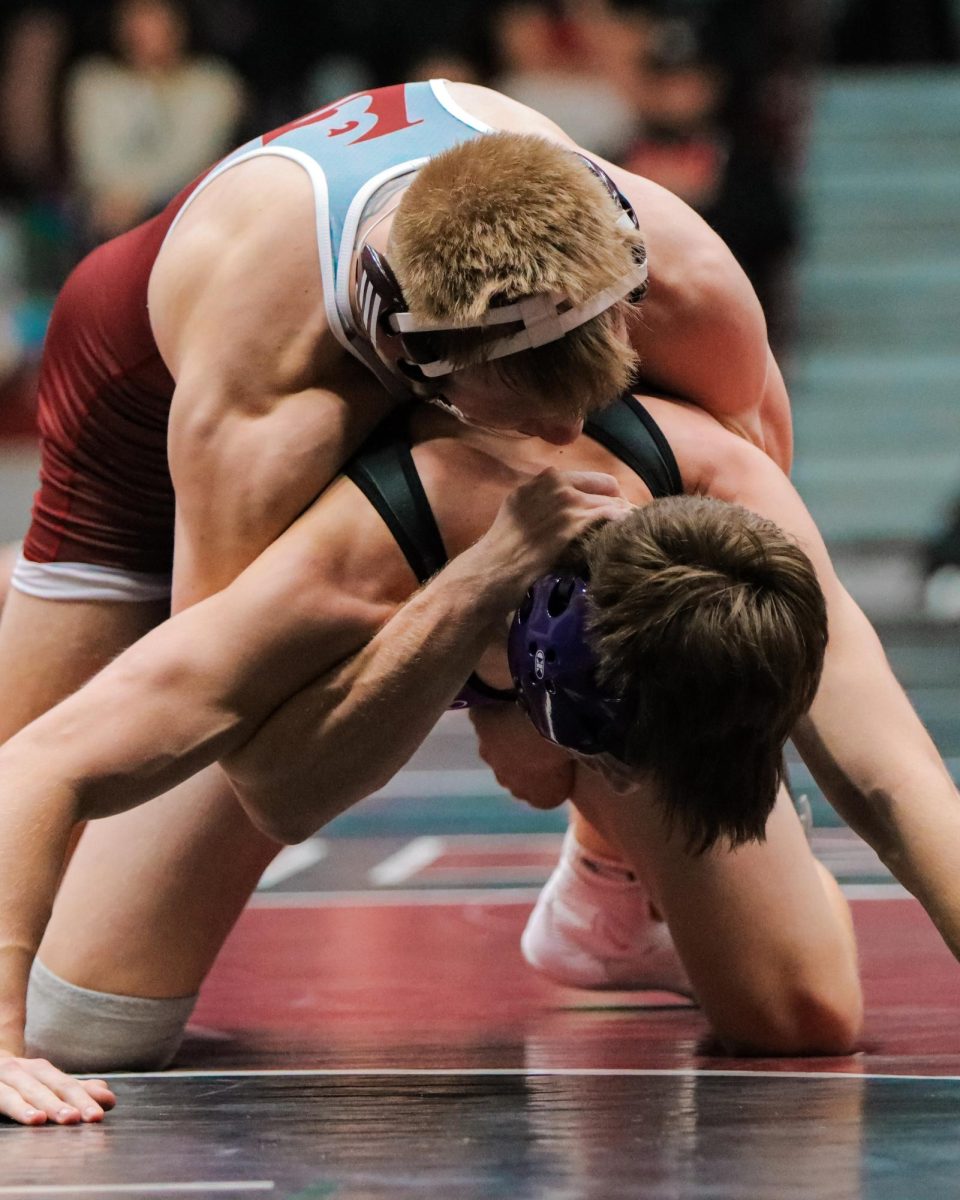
point(84, 581)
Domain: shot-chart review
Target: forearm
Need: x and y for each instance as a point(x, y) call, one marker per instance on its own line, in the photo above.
point(38, 817)
point(879, 768)
point(61, 770)
point(347, 734)
point(901, 800)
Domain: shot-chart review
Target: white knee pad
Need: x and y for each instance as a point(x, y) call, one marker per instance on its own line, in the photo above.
point(83, 1031)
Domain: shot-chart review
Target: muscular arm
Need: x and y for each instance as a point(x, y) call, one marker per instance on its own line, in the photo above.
point(862, 740)
point(268, 406)
point(345, 735)
point(878, 766)
point(199, 686)
point(166, 707)
point(701, 332)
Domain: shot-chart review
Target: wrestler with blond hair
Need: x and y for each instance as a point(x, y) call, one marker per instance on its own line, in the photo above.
point(207, 374)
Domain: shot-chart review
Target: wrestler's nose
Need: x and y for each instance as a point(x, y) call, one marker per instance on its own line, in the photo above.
point(556, 431)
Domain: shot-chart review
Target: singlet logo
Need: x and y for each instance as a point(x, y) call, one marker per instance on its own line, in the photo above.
point(358, 118)
point(539, 664)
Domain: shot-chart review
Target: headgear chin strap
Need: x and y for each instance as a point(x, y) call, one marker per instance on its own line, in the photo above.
point(555, 671)
point(405, 347)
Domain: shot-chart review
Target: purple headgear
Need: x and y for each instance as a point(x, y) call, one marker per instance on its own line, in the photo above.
point(407, 349)
point(554, 670)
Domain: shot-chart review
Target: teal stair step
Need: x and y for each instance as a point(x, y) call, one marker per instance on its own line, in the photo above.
point(911, 424)
point(883, 187)
point(923, 100)
point(874, 496)
point(859, 214)
point(880, 155)
point(855, 240)
point(838, 330)
point(813, 369)
point(934, 273)
point(875, 380)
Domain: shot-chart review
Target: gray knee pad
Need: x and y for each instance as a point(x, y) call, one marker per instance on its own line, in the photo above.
point(83, 1031)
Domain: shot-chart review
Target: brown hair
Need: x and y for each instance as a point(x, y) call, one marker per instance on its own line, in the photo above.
point(506, 216)
point(711, 623)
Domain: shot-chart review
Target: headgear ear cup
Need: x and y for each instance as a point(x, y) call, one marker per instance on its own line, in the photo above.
point(380, 297)
point(554, 669)
point(404, 345)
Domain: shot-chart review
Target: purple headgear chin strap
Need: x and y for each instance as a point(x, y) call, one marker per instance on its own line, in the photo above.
point(555, 671)
point(406, 348)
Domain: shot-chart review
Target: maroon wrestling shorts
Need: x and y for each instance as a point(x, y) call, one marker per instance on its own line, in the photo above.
point(105, 500)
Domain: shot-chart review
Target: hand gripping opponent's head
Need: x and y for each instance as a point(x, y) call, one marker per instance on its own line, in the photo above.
point(510, 255)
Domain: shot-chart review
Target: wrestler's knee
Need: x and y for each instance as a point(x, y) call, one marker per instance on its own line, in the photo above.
point(84, 1031)
point(796, 1018)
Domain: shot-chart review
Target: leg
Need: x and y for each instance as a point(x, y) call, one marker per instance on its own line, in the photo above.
point(49, 648)
point(146, 904)
point(763, 931)
point(8, 557)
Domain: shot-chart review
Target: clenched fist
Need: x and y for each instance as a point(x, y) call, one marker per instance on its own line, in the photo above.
point(538, 521)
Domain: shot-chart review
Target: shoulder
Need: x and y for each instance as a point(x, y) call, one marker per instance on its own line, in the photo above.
point(702, 332)
point(694, 275)
point(713, 460)
point(241, 265)
point(465, 484)
point(338, 552)
point(504, 113)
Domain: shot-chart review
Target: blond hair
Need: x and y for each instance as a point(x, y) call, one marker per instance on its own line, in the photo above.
point(506, 216)
point(711, 623)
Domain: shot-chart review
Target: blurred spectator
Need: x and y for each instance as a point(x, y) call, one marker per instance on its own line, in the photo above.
point(682, 144)
point(696, 139)
point(34, 50)
point(335, 76)
point(441, 64)
point(562, 67)
point(144, 124)
point(35, 240)
point(11, 286)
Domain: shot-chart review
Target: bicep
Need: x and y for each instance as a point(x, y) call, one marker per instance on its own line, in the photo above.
point(245, 468)
point(702, 335)
point(267, 407)
point(722, 355)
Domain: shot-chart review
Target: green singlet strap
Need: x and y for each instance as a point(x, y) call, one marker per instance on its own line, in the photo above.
point(628, 431)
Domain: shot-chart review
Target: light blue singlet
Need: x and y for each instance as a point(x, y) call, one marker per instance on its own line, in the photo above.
point(350, 149)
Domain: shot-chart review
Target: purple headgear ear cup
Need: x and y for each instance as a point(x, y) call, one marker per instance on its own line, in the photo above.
point(554, 669)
